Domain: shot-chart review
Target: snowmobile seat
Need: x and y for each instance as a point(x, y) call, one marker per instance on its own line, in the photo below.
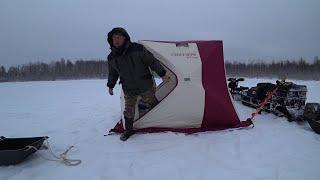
point(263, 89)
point(16, 150)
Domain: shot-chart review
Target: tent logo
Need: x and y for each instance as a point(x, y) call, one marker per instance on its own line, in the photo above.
point(192, 55)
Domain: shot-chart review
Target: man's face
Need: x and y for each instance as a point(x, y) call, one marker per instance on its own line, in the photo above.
point(118, 40)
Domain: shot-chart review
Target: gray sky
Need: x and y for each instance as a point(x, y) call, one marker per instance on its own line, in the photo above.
point(47, 30)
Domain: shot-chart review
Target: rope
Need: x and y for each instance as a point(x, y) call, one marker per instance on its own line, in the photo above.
point(61, 158)
point(263, 103)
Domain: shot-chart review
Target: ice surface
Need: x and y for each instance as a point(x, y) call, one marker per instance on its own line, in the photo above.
point(79, 112)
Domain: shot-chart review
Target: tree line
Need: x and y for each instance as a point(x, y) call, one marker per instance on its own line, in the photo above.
point(281, 70)
point(59, 70)
point(83, 69)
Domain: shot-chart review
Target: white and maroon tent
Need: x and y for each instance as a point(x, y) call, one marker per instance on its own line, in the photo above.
point(196, 97)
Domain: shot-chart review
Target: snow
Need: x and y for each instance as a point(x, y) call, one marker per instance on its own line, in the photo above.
point(80, 112)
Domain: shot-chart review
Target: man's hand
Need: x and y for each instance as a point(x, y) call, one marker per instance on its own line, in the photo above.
point(111, 91)
point(165, 78)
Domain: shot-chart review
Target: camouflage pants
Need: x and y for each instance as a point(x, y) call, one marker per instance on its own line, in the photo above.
point(147, 102)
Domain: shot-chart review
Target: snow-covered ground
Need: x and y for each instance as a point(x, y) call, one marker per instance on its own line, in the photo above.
point(80, 112)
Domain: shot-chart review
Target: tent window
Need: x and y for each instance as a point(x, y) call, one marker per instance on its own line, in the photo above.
point(165, 88)
point(162, 90)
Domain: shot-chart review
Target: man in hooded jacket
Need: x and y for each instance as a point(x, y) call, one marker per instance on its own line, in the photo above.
point(130, 62)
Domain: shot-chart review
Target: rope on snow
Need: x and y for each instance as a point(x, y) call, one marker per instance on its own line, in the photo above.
point(61, 158)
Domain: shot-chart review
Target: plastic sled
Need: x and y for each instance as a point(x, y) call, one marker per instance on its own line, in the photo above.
point(16, 150)
point(315, 125)
point(312, 115)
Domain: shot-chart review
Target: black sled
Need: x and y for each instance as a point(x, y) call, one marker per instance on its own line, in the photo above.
point(312, 115)
point(16, 150)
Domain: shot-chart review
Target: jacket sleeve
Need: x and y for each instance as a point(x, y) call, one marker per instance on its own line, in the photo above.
point(152, 62)
point(112, 76)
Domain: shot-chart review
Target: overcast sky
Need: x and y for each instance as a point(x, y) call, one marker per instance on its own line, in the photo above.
point(47, 30)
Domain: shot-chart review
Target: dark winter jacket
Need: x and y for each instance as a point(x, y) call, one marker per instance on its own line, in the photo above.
point(131, 63)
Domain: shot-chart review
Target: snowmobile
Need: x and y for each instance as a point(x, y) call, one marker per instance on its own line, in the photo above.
point(235, 90)
point(288, 100)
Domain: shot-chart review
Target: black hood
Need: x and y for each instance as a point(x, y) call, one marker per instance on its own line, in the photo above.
point(118, 30)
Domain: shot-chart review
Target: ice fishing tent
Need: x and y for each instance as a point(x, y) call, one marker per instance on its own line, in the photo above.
point(196, 98)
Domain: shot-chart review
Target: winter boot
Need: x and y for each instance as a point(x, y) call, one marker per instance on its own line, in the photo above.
point(129, 129)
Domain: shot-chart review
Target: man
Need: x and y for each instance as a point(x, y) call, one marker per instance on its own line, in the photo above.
point(131, 62)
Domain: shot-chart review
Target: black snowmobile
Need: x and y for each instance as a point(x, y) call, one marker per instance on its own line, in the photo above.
point(235, 90)
point(288, 100)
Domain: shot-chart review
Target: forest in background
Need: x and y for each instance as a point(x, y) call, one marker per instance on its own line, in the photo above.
point(59, 70)
point(300, 70)
point(85, 69)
